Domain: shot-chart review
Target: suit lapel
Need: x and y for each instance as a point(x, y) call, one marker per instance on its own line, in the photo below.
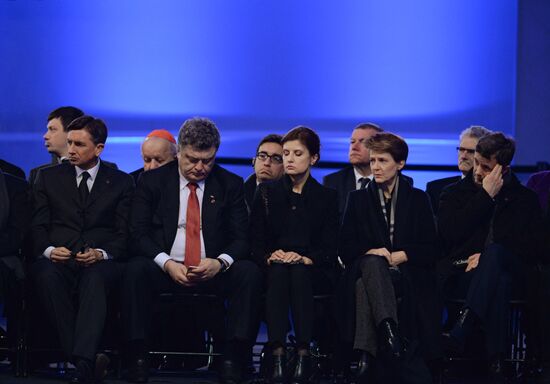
point(101, 182)
point(351, 184)
point(170, 206)
point(68, 184)
point(211, 202)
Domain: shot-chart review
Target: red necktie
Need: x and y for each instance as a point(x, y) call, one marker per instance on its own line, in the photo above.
point(192, 228)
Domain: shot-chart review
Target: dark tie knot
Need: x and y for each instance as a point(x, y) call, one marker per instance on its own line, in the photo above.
point(363, 182)
point(192, 187)
point(85, 176)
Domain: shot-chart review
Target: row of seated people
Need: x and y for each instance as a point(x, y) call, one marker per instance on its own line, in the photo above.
point(191, 226)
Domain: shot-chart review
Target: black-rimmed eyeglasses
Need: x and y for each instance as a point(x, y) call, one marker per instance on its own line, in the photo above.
point(467, 150)
point(263, 156)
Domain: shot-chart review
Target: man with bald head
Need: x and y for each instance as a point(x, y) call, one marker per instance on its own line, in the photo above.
point(158, 148)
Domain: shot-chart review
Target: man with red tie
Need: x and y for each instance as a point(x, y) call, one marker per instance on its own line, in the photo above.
point(189, 231)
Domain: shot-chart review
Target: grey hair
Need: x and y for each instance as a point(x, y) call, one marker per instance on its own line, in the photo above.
point(200, 133)
point(475, 131)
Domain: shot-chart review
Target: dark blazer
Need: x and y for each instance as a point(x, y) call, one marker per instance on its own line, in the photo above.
point(269, 209)
point(155, 209)
point(249, 191)
point(434, 188)
point(136, 174)
point(18, 218)
point(540, 183)
point(465, 212)
point(60, 219)
point(34, 172)
point(343, 181)
point(365, 228)
point(12, 169)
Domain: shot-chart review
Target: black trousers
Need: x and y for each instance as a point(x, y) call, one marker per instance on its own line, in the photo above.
point(79, 323)
point(143, 281)
point(490, 287)
point(292, 287)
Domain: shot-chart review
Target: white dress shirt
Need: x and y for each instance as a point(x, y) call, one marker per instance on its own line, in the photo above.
point(177, 252)
point(359, 176)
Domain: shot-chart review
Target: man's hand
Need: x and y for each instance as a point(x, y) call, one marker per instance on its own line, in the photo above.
point(492, 183)
point(278, 255)
point(398, 257)
point(178, 272)
point(207, 269)
point(89, 257)
point(60, 254)
point(380, 252)
point(473, 261)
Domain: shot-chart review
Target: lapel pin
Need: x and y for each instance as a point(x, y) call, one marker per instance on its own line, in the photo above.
point(212, 199)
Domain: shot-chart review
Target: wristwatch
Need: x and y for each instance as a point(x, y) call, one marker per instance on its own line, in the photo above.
point(223, 265)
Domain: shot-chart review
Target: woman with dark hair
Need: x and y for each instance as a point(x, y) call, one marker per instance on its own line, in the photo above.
point(388, 240)
point(294, 224)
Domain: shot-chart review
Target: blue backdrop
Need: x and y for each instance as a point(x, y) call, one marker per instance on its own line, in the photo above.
point(424, 69)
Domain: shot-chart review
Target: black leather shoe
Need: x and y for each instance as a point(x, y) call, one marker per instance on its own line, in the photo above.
point(278, 369)
point(390, 343)
point(139, 371)
point(83, 373)
point(496, 371)
point(362, 369)
point(302, 371)
point(100, 369)
point(453, 341)
point(230, 372)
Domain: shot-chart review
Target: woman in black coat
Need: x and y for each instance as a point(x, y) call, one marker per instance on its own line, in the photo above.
point(388, 241)
point(294, 224)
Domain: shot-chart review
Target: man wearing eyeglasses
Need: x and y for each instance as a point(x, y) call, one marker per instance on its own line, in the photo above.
point(268, 165)
point(466, 149)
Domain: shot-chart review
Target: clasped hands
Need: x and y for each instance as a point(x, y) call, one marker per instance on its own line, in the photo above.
point(282, 257)
point(190, 276)
point(87, 258)
point(394, 258)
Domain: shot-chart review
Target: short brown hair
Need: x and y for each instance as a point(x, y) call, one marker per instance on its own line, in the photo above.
point(498, 145)
point(387, 142)
point(95, 127)
point(307, 137)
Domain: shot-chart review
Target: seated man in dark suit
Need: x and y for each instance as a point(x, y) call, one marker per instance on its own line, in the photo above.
point(55, 138)
point(79, 229)
point(358, 174)
point(12, 169)
point(466, 148)
point(14, 221)
point(268, 165)
point(492, 229)
point(158, 148)
point(189, 230)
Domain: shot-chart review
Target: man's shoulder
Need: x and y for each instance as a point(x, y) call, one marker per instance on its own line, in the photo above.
point(115, 172)
point(15, 183)
point(440, 183)
point(226, 176)
point(336, 177)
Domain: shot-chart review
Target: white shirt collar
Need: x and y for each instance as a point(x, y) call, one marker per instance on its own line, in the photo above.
point(92, 171)
point(359, 176)
point(184, 182)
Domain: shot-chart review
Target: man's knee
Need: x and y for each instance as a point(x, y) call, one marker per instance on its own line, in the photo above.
point(46, 274)
point(368, 262)
point(247, 273)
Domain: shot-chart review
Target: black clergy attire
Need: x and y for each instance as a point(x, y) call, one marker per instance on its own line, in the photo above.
point(307, 224)
point(62, 219)
point(153, 226)
point(507, 231)
point(364, 227)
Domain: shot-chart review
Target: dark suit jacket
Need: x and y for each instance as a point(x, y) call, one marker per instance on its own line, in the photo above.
point(465, 212)
point(343, 181)
point(34, 172)
point(250, 191)
point(155, 209)
point(434, 188)
point(365, 228)
point(136, 174)
point(18, 218)
point(12, 169)
point(60, 219)
point(540, 183)
point(267, 219)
